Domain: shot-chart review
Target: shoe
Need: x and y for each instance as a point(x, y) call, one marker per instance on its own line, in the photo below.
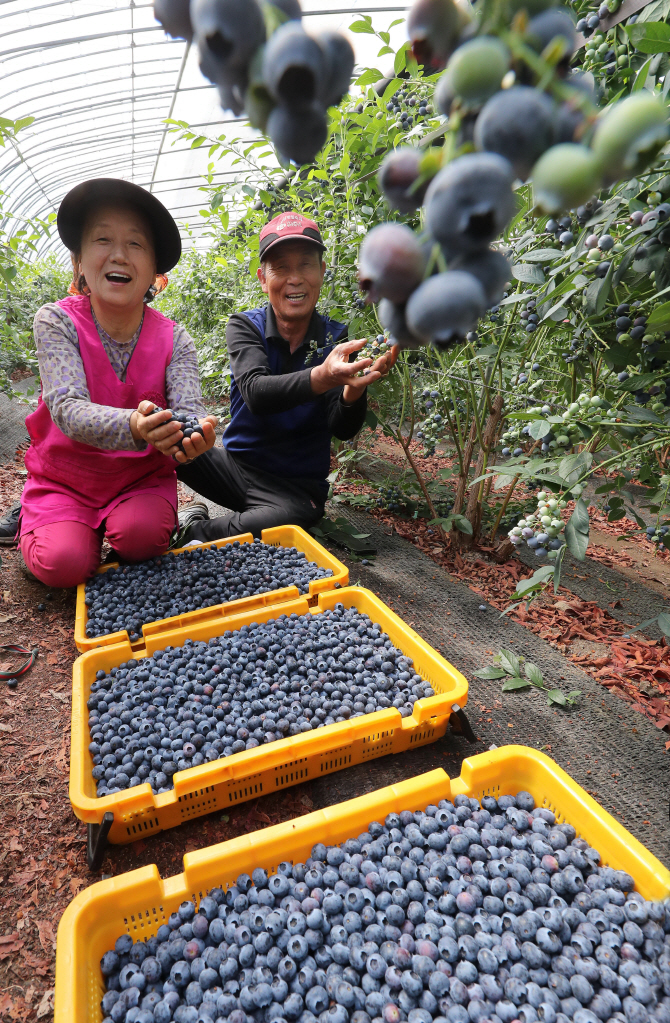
point(9, 525)
point(186, 518)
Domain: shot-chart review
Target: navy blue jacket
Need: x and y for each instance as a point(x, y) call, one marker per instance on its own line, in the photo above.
point(277, 423)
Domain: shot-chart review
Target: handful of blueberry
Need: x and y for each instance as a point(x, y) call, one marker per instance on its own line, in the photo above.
point(189, 426)
point(130, 596)
point(188, 705)
point(463, 913)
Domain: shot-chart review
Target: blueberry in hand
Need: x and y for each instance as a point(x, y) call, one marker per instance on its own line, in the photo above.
point(518, 124)
point(470, 202)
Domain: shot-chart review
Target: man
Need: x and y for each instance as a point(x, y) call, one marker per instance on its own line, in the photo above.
point(292, 389)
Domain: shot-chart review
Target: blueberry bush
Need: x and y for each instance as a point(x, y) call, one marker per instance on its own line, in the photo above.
point(542, 301)
point(25, 281)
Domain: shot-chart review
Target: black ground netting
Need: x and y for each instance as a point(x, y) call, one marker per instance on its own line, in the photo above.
point(13, 431)
point(611, 750)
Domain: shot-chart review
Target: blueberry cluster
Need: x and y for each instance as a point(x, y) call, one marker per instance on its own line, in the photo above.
point(265, 64)
point(187, 705)
point(464, 913)
point(657, 535)
point(130, 596)
point(189, 425)
point(409, 107)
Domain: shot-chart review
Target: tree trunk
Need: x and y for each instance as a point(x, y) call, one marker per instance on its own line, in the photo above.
point(503, 551)
point(463, 479)
point(473, 511)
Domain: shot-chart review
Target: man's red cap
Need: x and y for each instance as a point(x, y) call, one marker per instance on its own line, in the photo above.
point(289, 227)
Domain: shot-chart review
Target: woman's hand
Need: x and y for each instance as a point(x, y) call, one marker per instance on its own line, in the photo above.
point(156, 429)
point(337, 371)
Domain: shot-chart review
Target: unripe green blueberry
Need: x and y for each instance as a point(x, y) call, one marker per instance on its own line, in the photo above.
point(630, 134)
point(565, 176)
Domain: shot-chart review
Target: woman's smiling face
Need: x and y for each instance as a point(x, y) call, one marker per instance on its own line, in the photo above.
point(117, 257)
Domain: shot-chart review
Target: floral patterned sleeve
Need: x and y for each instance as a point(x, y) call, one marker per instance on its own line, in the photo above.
point(65, 390)
point(182, 379)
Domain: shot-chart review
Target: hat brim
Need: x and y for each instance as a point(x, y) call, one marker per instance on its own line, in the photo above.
point(98, 192)
point(292, 238)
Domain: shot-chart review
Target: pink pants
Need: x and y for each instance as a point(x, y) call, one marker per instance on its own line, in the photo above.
point(68, 553)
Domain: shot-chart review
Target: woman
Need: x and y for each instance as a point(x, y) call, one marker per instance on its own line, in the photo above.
point(101, 462)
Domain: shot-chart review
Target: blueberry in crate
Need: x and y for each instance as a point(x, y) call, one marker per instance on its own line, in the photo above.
point(130, 596)
point(185, 706)
point(463, 912)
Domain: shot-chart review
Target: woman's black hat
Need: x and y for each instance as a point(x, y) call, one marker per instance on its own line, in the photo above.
point(97, 192)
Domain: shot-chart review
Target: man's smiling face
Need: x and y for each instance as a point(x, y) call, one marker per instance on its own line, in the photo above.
point(291, 277)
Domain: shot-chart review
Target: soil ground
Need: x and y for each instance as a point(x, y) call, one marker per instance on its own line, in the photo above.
point(613, 742)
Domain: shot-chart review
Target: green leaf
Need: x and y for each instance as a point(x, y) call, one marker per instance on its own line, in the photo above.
point(515, 683)
point(369, 77)
point(643, 415)
point(650, 36)
point(532, 672)
point(557, 696)
point(577, 530)
point(542, 255)
point(572, 467)
point(400, 61)
point(639, 383)
point(623, 266)
point(462, 524)
point(597, 293)
point(659, 318)
point(641, 78)
point(490, 673)
point(664, 623)
point(540, 428)
point(363, 26)
point(371, 419)
point(510, 662)
point(527, 273)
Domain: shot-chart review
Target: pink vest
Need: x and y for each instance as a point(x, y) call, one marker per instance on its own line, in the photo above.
point(71, 481)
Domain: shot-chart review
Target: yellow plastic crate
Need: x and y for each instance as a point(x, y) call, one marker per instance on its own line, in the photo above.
point(138, 902)
point(268, 768)
point(278, 536)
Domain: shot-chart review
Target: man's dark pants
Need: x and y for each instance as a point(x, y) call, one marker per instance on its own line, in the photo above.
point(258, 499)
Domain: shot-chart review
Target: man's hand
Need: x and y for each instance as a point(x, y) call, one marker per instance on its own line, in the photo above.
point(337, 371)
point(156, 429)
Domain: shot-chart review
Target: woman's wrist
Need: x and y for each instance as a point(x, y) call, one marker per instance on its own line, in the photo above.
point(133, 426)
